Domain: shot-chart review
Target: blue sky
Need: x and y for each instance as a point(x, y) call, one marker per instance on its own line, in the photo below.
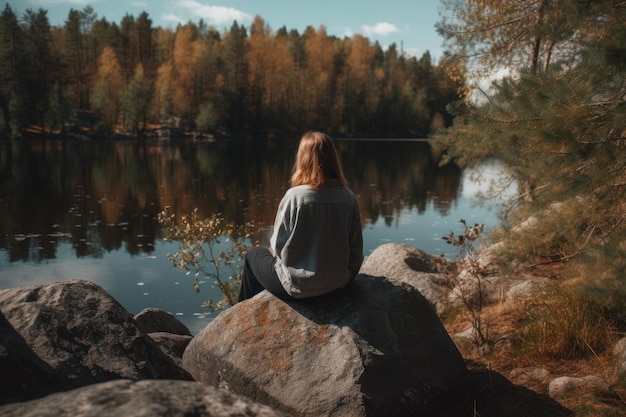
point(408, 24)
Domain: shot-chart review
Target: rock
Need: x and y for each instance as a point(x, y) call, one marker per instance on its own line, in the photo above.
point(468, 292)
point(173, 345)
point(467, 338)
point(153, 320)
point(487, 256)
point(619, 351)
point(567, 386)
point(401, 263)
point(371, 349)
point(493, 289)
point(154, 398)
point(528, 375)
point(84, 335)
point(167, 331)
point(24, 375)
point(527, 288)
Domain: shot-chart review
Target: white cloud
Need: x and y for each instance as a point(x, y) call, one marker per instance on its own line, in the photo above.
point(216, 15)
point(382, 29)
point(345, 31)
point(48, 3)
point(169, 17)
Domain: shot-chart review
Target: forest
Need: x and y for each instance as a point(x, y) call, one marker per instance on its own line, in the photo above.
point(132, 79)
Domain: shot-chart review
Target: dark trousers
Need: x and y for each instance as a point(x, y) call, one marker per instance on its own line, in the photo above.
point(259, 274)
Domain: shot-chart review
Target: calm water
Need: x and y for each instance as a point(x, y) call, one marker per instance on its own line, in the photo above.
point(87, 209)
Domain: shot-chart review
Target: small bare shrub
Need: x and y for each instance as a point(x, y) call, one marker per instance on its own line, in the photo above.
point(201, 252)
point(467, 275)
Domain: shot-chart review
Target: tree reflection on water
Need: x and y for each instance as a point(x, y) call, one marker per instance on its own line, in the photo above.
point(104, 196)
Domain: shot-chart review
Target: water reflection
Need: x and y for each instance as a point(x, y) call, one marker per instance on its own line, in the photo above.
point(104, 196)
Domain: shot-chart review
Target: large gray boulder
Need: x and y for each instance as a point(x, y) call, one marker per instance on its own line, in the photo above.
point(24, 375)
point(84, 335)
point(401, 263)
point(371, 349)
point(153, 398)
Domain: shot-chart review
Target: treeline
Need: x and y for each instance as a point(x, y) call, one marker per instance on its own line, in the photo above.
point(132, 77)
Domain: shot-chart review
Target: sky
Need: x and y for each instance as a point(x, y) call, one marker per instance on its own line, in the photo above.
point(408, 24)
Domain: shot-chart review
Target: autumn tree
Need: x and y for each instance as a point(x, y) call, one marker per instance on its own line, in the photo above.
point(556, 121)
point(136, 101)
point(317, 91)
point(361, 99)
point(269, 68)
point(163, 104)
point(163, 39)
point(107, 90)
point(207, 78)
point(185, 61)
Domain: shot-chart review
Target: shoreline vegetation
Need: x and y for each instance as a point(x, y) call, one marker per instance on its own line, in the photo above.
point(165, 133)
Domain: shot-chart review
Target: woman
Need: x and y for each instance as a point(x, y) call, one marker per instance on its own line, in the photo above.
point(317, 243)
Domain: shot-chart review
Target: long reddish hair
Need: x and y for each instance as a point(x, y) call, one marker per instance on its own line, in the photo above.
point(316, 161)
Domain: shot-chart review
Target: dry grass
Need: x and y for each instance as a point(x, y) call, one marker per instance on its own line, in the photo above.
point(496, 393)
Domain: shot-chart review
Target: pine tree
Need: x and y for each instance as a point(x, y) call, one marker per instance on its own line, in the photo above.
point(13, 74)
point(43, 66)
point(559, 127)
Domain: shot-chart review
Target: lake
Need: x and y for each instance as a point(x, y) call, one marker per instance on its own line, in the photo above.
point(84, 209)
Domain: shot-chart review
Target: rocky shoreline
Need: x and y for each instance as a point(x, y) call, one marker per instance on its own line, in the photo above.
point(376, 348)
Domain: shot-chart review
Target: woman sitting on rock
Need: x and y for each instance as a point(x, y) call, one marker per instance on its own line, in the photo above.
point(317, 242)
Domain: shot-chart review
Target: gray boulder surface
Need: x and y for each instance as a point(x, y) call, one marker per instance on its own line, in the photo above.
point(173, 345)
point(619, 351)
point(84, 335)
point(153, 398)
point(371, 349)
point(24, 375)
point(401, 263)
point(166, 330)
point(153, 320)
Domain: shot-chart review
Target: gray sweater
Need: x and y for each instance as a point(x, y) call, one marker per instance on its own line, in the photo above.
point(317, 239)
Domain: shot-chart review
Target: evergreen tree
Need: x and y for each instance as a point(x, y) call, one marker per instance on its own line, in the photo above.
point(559, 128)
point(234, 71)
point(13, 74)
point(79, 56)
point(43, 66)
